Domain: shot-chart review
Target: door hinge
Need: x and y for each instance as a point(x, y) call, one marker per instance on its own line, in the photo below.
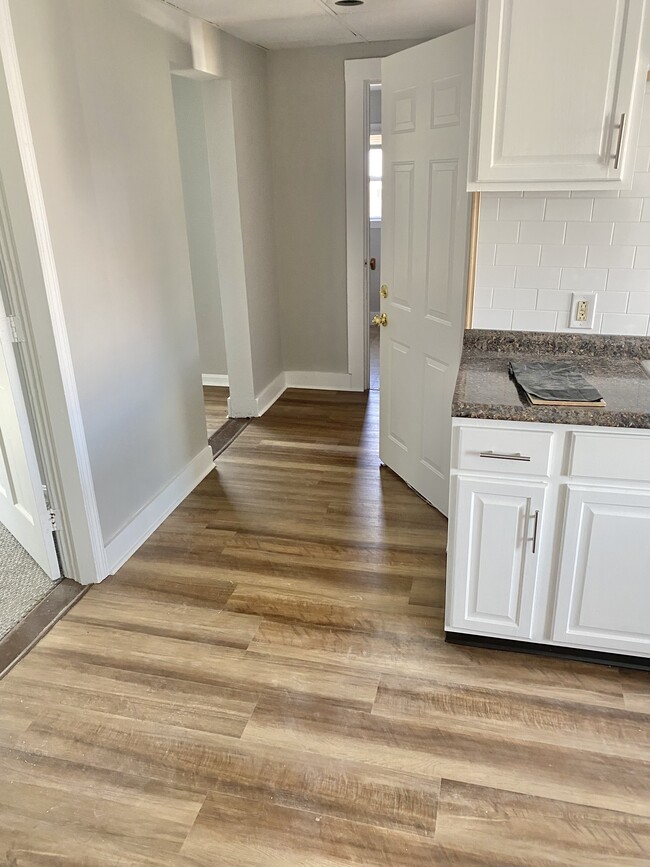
point(53, 521)
point(15, 330)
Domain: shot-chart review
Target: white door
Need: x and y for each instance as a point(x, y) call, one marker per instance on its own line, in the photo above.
point(22, 503)
point(494, 556)
point(426, 94)
point(603, 598)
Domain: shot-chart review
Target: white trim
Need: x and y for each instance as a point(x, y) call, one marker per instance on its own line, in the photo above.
point(98, 569)
point(149, 518)
point(215, 379)
point(271, 393)
point(358, 75)
point(319, 380)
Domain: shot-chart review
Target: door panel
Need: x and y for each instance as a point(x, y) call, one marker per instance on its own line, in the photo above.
point(22, 503)
point(603, 589)
point(426, 99)
point(493, 562)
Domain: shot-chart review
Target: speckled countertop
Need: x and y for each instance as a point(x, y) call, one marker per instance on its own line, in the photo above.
point(611, 364)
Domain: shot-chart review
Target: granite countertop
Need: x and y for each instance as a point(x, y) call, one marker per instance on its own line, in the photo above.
point(484, 388)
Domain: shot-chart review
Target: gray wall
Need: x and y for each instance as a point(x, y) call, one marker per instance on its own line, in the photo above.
point(245, 66)
point(98, 89)
point(375, 276)
point(307, 123)
point(199, 213)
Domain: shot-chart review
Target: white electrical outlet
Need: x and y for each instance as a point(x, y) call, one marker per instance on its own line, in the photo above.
point(583, 310)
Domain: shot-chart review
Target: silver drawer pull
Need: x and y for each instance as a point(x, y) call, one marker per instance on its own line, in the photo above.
point(514, 456)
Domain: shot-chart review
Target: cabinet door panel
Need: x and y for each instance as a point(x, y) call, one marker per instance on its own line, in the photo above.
point(554, 78)
point(493, 567)
point(603, 596)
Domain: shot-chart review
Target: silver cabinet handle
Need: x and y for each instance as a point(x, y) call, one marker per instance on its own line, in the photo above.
point(514, 456)
point(619, 143)
point(535, 530)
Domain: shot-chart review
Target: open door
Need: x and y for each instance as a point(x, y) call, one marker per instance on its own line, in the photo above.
point(426, 94)
point(23, 509)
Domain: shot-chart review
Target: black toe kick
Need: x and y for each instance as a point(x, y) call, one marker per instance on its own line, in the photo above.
point(556, 651)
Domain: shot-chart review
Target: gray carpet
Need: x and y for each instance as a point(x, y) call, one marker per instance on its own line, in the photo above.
point(22, 582)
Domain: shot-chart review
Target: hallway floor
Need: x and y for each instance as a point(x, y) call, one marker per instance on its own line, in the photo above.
point(266, 684)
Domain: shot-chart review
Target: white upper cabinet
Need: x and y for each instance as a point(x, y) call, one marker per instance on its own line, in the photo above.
point(558, 93)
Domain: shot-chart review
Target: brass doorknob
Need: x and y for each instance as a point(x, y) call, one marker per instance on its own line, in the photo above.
point(380, 320)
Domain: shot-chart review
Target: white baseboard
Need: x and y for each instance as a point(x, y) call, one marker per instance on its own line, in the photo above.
point(218, 379)
point(271, 393)
point(318, 380)
point(148, 519)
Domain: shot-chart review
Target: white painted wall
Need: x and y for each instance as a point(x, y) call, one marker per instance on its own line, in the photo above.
point(535, 249)
point(199, 214)
point(307, 123)
point(98, 91)
point(244, 66)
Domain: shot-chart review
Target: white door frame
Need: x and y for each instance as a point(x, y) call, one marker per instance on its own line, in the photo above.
point(359, 74)
point(35, 296)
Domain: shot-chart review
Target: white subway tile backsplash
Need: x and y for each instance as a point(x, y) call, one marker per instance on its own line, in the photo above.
point(498, 232)
point(617, 210)
point(530, 277)
point(610, 257)
point(483, 296)
point(500, 320)
point(489, 207)
point(485, 254)
point(583, 279)
point(625, 323)
point(632, 233)
point(589, 233)
point(495, 275)
point(642, 258)
point(564, 255)
point(518, 254)
point(645, 212)
point(639, 302)
point(553, 299)
point(569, 209)
point(612, 302)
point(514, 299)
point(541, 233)
point(521, 209)
point(534, 320)
point(628, 281)
point(564, 323)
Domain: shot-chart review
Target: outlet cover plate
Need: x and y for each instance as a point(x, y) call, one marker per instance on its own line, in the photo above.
point(589, 298)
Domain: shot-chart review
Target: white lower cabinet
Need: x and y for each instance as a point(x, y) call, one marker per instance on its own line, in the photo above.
point(496, 545)
point(550, 535)
point(603, 593)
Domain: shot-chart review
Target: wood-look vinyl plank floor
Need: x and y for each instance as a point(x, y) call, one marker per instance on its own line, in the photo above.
point(266, 683)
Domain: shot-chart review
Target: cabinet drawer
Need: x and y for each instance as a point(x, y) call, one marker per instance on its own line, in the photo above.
point(618, 456)
point(503, 450)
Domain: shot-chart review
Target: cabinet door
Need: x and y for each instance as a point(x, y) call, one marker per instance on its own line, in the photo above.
point(553, 80)
point(603, 598)
point(497, 529)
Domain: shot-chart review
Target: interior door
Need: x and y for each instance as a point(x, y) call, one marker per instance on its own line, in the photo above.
point(23, 510)
point(426, 93)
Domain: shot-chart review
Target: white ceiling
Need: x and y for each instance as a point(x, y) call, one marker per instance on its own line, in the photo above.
point(301, 23)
